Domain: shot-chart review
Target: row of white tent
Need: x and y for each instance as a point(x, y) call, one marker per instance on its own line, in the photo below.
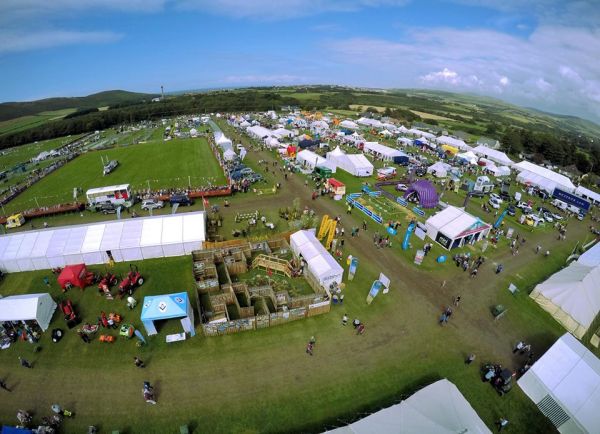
point(321, 265)
point(572, 295)
point(126, 240)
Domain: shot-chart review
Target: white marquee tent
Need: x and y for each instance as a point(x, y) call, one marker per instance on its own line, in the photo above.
point(374, 123)
point(355, 164)
point(309, 160)
point(591, 257)
point(323, 267)
point(541, 177)
point(454, 227)
point(258, 132)
point(28, 307)
point(588, 194)
point(351, 125)
point(565, 385)
point(494, 155)
point(572, 295)
point(384, 152)
point(439, 408)
point(127, 240)
point(457, 143)
point(439, 169)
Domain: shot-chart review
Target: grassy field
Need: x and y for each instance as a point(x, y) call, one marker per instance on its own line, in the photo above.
point(26, 122)
point(263, 381)
point(156, 164)
point(11, 156)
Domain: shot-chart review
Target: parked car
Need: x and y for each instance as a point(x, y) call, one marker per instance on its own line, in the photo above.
point(149, 204)
point(496, 197)
point(401, 187)
point(494, 202)
point(511, 210)
point(548, 216)
point(420, 171)
point(557, 216)
point(106, 208)
point(475, 193)
point(181, 199)
point(542, 209)
point(504, 195)
point(580, 216)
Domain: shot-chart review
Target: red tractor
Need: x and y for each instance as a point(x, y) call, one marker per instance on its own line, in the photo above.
point(106, 282)
point(132, 281)
point(69, 313)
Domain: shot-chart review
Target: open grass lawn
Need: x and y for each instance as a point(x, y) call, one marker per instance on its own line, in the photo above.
point(159, 165)
point(25, 122)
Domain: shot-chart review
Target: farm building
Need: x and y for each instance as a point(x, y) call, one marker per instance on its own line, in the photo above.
point(454, 227)
point(380, 151)
point(437, 408)
point(124, 240)
point(546, 179)
point(565, 385)
point(321, 265)
point(494, 155)
point(28, 307)
point(571, 295)
point(355, 164)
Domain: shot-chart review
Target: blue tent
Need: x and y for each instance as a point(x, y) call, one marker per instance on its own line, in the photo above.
point(12, 430)
point(159, 307)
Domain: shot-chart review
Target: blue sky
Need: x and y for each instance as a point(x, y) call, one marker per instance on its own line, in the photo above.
point(538, 53)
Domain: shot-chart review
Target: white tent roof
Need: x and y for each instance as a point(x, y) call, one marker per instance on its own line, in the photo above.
point(439, 408)
point(493, 154)
point(571, 296)
point(320, 263)
point(469, 156)
point(582, 191)
point(591, 257)
point(370, 122)
point(440, 168)
point(420, 133)
point(258, 131)
point(452, 221)
point(382, 149)
point(38, 307)
point(568, 374)
point(542, 177)
point(349, 124)
point(359, 161)
point(457, 143)
point(71, 242)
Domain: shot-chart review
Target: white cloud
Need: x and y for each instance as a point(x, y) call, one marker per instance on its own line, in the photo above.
point(12, 42)
point(268, 10)
point(525, 70)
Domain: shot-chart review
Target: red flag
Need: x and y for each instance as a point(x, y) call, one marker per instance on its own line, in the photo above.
point(205, 201)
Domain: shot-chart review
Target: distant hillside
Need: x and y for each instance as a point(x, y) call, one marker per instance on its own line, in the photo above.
point(13, 110)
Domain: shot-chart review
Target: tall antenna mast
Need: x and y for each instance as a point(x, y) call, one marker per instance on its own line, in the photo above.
point(162, 92)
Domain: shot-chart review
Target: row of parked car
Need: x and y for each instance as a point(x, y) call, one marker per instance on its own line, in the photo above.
point(239, 171)
point(147, 204)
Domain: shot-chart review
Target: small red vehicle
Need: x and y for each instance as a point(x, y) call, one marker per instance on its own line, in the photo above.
point(69, 312)
point(132, 281)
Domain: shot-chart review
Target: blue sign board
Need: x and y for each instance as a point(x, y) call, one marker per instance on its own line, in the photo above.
point(571, 199)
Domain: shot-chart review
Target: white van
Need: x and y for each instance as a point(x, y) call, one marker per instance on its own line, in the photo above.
point(560, 204)
point(573, 209)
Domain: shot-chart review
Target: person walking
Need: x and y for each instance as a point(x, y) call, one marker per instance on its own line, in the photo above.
point(138, 362)
point(499, 268)
point(518, 347)
point(502, 423)
point(4, 386)
point(345, 320)
point(537, 249)
point(443, 318)
point(46, 281)
point(25, 363)
point(473, 273)
point(309, 349)
point(457, 300)
point(470, 358)
point(364, 226)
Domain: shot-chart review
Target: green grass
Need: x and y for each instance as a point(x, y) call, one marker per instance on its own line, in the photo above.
point(159, 165)
point(26, 122)
point(11, 156)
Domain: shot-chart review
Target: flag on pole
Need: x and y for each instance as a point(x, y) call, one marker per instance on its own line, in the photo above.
point(204, 202)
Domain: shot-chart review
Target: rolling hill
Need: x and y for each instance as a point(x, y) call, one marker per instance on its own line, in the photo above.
point(13, 110)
